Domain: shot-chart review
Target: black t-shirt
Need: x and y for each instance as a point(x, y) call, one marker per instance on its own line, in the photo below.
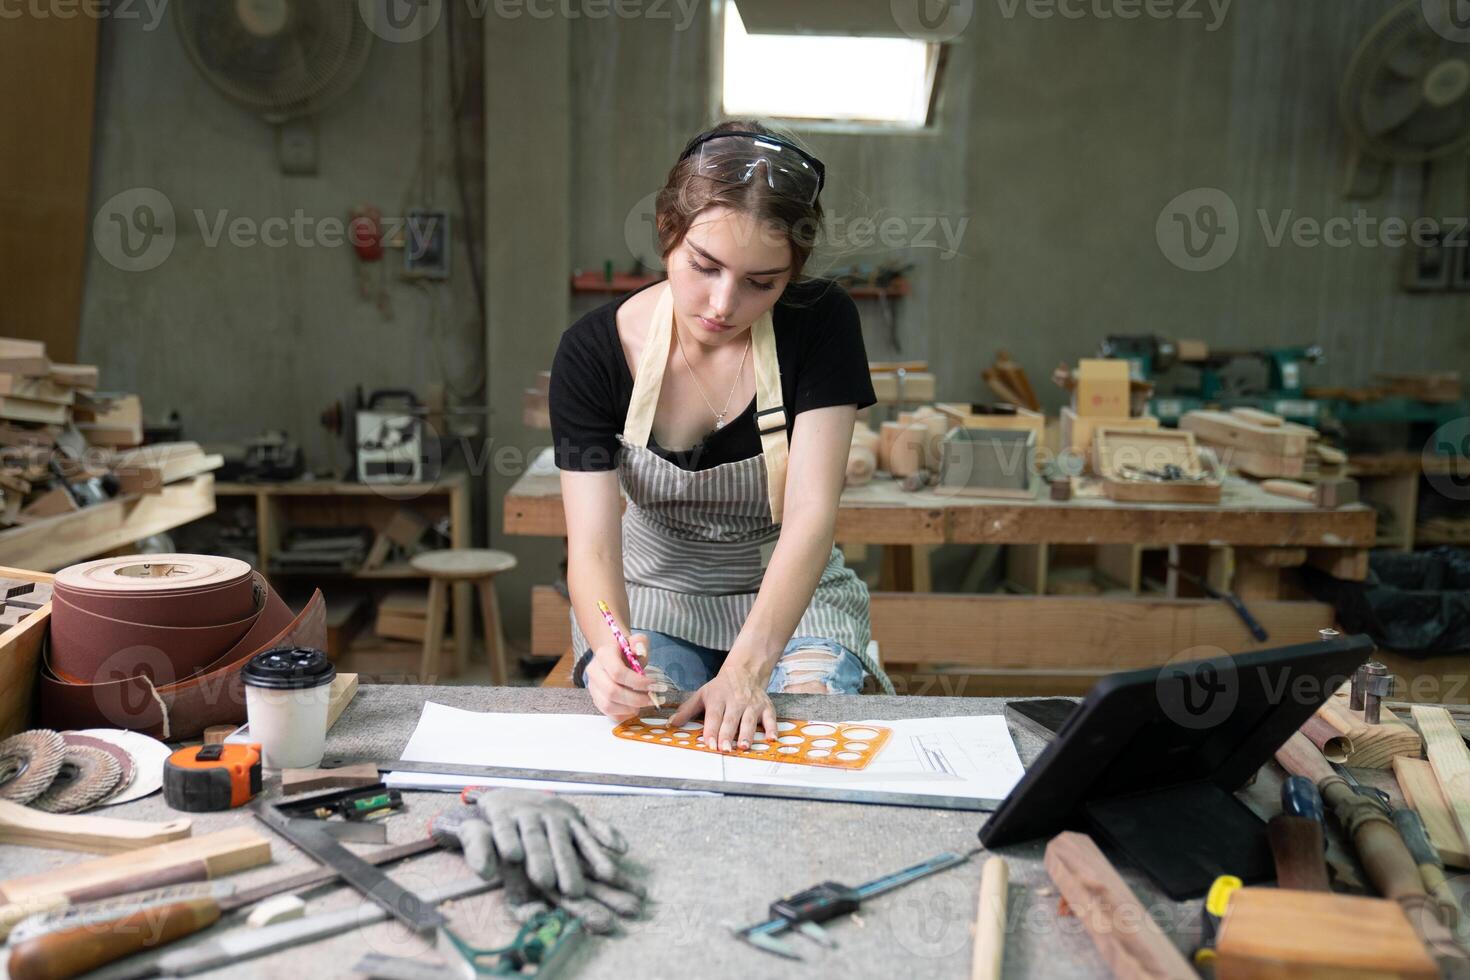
point(819, 347)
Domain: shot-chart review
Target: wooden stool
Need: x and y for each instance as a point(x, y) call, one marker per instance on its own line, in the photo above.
point(445, 568)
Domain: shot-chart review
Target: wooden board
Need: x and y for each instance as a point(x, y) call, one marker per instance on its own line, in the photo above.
point(224, 852)
point(1236, 432)
point(20, 651)
point(56, 542)
point(29, 410)
point(1126, 936)
point(344, 689)
point(1272, 932)
point(84, 831)
point(148, 469)
point(36, 389)
point(1450, 760)
point(1073, 634)
point(1421, 791)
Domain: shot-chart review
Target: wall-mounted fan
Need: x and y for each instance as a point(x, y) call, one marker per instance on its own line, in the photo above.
point(1406, 95)
point(285, 60)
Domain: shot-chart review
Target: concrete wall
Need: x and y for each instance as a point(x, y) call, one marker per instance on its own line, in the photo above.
point(239, 338)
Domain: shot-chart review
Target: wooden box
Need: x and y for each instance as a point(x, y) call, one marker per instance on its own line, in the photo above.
point(975, 416)
point(1077, 432)
point(1117, 452)
point(1102, 388)
point(987, 462)
point(20, 659)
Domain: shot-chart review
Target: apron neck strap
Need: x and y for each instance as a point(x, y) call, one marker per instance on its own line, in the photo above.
point(770, 413)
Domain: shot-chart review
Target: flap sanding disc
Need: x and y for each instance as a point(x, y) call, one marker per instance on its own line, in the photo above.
point(148, 755)
point(29, 762)
point(87, 775)
point(124, 760)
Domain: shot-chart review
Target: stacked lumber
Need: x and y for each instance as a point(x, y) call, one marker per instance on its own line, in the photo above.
point(1254, 442)
point(1436, 387)
point(64, 444)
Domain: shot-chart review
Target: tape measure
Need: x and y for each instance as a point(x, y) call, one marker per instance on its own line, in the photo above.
point(200, 778)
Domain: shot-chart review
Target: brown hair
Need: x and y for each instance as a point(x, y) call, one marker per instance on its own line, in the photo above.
point(687, 193)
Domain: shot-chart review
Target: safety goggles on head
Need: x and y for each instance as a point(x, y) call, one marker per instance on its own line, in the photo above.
point(740, 157)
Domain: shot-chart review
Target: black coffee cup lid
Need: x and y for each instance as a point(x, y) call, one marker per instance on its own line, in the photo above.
point(289, 668)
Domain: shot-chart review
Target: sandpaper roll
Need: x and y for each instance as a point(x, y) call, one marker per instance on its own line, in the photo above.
point(155, 643)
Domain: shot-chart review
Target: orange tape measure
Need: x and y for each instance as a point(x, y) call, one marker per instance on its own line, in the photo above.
point(200, 778)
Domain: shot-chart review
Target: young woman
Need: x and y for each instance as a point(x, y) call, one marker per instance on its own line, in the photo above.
point(722, 401)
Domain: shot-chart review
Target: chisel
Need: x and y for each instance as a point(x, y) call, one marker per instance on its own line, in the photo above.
point(72, 950)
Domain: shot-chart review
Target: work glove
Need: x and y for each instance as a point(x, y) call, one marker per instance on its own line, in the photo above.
point(545, 853)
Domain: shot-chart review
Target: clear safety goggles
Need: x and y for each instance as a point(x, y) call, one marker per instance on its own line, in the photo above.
point(740, 157)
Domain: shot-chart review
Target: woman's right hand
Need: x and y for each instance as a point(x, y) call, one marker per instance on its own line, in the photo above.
point(617, 689)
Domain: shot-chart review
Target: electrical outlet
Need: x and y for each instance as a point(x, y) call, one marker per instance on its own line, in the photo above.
point(426, 244)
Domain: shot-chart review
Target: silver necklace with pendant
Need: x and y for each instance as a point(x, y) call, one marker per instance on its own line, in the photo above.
point(720, 415)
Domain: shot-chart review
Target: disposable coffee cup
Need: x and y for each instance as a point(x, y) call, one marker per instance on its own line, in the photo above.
point(287, 693)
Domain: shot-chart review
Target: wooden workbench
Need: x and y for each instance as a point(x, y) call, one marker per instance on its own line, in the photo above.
point(709, 863)
point(882, 513)
point(1044, 644)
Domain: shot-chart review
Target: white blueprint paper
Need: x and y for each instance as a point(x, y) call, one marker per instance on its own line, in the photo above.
point(970, 757)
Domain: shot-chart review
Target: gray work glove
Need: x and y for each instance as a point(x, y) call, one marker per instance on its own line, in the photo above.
point(546, 853)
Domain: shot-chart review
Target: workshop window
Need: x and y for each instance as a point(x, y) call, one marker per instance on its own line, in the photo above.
point(872, 81)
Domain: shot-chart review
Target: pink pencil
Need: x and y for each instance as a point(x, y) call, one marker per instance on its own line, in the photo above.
point(623, 643)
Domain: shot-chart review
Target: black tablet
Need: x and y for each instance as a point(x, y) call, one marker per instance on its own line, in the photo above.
point(1151, 758)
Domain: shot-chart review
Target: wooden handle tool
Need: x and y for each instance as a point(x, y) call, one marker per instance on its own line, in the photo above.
point(72, 952)
point(990, 921)
point(84, 832)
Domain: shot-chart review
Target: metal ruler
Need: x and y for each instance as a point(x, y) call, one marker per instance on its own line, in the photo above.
point(817, 794)
point(398, 901)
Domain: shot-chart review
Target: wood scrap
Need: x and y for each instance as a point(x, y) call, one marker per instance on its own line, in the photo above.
point(347, 777)
point(55, 501)
point(344, 689)
point(74, 375)
point(1450, 760)
point(1372, 746)
point(1235, 432)
point(84, 832)
point(861, 465)
point(149, 468)
point(1421, 792)
point(119, 425)
point(1329, 494)
point(903, 448)
point(1278, 932)
point(208, 856)
point(1125, 934)
point(23, 357)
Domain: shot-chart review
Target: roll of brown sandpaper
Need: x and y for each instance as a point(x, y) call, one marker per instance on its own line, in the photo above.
point(155, 643)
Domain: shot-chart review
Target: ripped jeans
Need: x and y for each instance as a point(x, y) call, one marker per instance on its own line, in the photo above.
point(806, 659)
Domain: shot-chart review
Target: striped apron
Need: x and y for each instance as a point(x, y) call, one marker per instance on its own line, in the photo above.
point(696, 542)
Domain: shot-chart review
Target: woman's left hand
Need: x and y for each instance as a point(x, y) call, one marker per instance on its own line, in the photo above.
point(735, 703)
